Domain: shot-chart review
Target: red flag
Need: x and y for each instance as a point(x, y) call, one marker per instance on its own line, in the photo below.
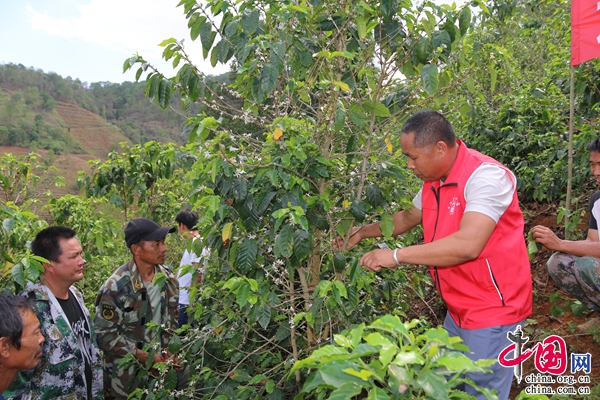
point(585, 30)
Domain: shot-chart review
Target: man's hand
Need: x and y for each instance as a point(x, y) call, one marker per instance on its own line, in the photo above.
point(546, 237)
point(355, 238)
point(377, 259)
point(143, 356)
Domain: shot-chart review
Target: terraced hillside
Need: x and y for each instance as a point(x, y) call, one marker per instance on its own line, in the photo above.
point(94, 134)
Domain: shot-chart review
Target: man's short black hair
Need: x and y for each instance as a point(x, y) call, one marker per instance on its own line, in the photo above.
point(46, 242)
point(12, 310)
point(429, 127)
point(188, 218)
point(594, 145)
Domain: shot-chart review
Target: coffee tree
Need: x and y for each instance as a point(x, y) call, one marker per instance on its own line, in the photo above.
point(142, 180)
point(323, 88)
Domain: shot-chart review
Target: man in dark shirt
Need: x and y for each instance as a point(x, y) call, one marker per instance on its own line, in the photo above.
point(70, 347)
point(575, 267)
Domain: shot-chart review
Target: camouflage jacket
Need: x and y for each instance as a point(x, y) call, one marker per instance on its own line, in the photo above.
point(122, 311)
point(61, 371)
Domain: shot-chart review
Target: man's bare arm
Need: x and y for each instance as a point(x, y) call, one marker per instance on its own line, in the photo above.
point(464, 245)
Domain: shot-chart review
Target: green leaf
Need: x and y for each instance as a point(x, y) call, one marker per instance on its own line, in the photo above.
point(342, 85)
point(223, 51)
point(167, 41)
point(387, 225)
point(377, 108)
point(175, 344)
point(423, 50)
point(240, 188)
point(361, 26)
point(302, 246)
point(333, 375)
point(152, 85)
point(358, 210)
point(284, 243)
point(250, 21)
point(340, 288)
point(357, 116)
point(347, 391)
point(457, 362)
point(231, 28)
point(532, 248)
point(164, 93)
point(207, 37)
point(196, 27)
point(269, 78)
point(441, 39)
point(389, 8)
point(264, 314)
point(374, 195)
point(409, 357)
point(465, 110)
point(429, 77)
point(340, 116)
point(433, 383)
point(363, 374)
point(171, 380)
point(7, 225)
point(464, 20)
point(18, 274)
point(242, 294)
point(246, 256)
point(450, 28)
point(339, 262)
point(377, 393)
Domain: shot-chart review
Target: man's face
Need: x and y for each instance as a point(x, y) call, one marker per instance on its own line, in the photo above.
point(425, 163)
point(69, 267)
point(151, 252)
point(28, 355)
point(595, 165)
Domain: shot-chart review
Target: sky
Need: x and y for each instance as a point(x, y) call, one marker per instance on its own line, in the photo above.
point(90, 39)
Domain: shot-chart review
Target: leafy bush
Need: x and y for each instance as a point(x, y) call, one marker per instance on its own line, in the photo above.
point(389, 359)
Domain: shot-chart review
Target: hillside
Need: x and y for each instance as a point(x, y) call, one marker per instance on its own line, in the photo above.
point(29, 96)
point(95, 138)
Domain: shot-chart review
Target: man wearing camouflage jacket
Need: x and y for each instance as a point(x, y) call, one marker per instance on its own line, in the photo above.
point(128, 300)
point(70, 366)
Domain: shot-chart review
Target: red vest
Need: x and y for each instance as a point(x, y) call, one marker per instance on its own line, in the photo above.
point(495, 288)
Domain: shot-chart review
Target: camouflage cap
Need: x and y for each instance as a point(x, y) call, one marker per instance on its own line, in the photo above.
point(144, 229)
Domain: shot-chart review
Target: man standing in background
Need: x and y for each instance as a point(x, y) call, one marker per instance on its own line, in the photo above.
point(187, 221)
point(129, 299)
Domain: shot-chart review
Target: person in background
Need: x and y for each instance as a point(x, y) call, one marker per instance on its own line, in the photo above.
point(187, 221)
point(474, 243)
point(70, 365)
point(575, 267)
point(20, 338)
point(129, 299)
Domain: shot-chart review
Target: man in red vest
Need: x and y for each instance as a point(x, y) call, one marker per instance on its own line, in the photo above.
point(474, 242)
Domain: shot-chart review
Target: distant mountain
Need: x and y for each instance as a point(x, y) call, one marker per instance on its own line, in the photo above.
point(70, 122)
point(28, 98)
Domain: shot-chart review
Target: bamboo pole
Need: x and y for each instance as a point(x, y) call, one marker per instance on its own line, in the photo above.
point(570, 169)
